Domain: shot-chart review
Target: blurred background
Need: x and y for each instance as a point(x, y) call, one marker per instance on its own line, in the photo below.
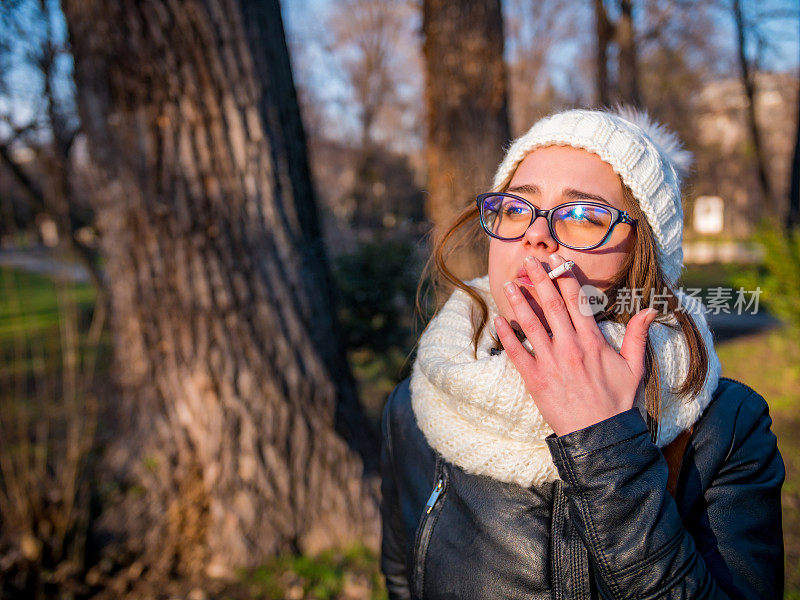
point(214, 217)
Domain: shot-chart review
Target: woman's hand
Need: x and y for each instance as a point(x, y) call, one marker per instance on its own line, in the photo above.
point(576, 377)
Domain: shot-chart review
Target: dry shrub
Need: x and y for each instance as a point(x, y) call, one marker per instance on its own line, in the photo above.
point(48, 418)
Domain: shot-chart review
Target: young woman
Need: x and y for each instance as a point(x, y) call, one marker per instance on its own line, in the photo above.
point(572, 437)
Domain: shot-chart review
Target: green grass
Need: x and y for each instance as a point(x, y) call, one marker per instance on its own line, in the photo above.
point(30, 319)
point(708, 275)
point(777, 356)
point(324, 577)
point(28, 303)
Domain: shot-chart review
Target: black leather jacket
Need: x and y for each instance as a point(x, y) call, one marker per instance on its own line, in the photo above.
point(607, 529)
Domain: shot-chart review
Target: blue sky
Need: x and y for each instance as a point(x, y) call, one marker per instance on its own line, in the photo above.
point(306, 30)
point(306, 19)
point(305, 22)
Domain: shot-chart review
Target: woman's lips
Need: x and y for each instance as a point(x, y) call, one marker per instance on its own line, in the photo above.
point(522, 275)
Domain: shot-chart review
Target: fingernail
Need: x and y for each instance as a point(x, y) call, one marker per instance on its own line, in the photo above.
point(530, 261)
point(510, 288)
point(555, 259)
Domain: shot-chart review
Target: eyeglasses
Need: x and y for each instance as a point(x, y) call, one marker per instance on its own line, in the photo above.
point(580, 225)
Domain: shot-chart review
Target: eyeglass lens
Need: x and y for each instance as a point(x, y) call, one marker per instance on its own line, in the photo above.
point(577, 225)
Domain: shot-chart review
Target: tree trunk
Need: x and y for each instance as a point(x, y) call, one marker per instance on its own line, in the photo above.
point(245, 429)
point(770, 202)
point(467, 107)
point(628, 67)
point(605, 33)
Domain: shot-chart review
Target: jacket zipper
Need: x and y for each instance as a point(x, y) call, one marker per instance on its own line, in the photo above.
point(434, 496)
point(425, 528)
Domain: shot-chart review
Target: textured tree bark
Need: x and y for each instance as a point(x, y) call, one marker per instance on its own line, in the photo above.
point(467, 107)
point(244, 426)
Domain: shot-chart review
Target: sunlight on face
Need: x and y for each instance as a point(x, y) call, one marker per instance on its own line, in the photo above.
point(548, 177)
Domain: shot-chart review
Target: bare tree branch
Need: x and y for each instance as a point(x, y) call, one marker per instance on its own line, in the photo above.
point(30, 187)
point(750, 93)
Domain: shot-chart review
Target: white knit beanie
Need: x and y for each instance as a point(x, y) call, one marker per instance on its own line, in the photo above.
point(650, 160)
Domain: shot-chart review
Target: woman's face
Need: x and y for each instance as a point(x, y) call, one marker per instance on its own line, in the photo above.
point(546, 178)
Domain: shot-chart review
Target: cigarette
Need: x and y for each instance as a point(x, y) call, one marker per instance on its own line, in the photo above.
point(561, 269)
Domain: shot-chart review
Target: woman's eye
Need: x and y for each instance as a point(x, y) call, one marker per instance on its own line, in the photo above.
point(580, 214)
point(514, 210)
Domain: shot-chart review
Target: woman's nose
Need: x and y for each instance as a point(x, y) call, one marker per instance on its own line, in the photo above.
point(538, 234)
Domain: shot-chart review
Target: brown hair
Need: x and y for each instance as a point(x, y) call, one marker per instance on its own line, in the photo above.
point(641, 270)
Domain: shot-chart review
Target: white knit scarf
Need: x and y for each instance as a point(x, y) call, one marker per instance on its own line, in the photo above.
point(479, 415)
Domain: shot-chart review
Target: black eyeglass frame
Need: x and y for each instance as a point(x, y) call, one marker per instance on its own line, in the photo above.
point(617, 216)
